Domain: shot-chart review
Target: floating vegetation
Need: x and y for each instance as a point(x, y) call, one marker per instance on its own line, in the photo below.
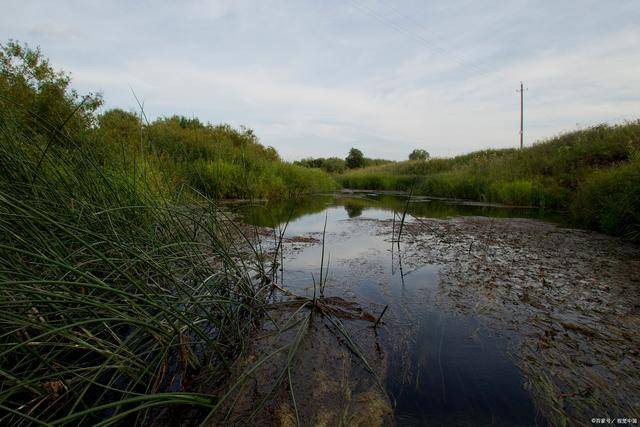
point(570, 297)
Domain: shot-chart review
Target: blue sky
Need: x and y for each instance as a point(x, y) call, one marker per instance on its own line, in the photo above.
point(314, 78)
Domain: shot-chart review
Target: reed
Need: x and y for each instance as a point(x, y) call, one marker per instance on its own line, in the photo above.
point(112, 297)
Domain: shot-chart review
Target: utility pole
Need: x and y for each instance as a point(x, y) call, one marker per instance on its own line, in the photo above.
point(521, 113)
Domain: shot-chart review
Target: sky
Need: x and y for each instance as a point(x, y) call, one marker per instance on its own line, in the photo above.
point(315, 78)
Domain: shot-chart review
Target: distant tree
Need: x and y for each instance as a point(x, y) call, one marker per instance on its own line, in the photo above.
point(355, 159)
point(119, 125)
point(419, 154)
point(334, 165)
point(190, 123)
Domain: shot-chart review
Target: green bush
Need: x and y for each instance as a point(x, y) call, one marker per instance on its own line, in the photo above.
point(609, 200)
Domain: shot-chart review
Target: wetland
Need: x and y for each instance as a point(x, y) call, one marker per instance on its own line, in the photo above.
point(493, 315)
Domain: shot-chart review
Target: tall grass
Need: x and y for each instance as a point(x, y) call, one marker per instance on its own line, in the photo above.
point(120, 279)
point(218, 161)
point(111, 296)
point(589, 174)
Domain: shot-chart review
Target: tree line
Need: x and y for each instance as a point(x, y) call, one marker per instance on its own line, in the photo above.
point(354, 160)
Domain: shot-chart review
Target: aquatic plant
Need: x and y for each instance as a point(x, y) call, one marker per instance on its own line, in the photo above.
point(111, 297)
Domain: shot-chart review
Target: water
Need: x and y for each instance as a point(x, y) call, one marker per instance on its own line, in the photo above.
point(372, 205)
point(443, 366)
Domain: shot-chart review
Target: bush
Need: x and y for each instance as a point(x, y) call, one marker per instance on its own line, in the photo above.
point(609, 200)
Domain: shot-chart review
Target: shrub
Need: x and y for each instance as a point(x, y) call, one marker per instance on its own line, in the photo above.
point(355, 159)
point(609, 200)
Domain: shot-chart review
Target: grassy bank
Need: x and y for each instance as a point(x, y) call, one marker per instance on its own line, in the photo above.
point(217, 161)
point(175, 154)
point(593, 175)
point(120, 279)
point(111, 298)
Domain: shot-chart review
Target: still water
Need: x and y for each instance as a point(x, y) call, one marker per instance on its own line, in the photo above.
point(443, 366)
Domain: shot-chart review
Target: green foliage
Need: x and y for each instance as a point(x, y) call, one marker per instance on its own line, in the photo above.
point(582, 172)
point(37, 100)
point(335, 165)
point(609, 200)
point(355, 159)
point(329, 164)
point(419, 154)
point(115, 291)
point(172, 154)
point(222, 162)
point(111, 296)
point(368, 161)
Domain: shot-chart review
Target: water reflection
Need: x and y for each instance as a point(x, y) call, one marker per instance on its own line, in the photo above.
point(356, 204)
point(353, 211)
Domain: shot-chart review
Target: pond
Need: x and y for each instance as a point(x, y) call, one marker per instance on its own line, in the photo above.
point(445, 361)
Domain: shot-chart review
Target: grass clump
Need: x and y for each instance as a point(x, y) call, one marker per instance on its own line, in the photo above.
point(111, 298)
point(609, 200)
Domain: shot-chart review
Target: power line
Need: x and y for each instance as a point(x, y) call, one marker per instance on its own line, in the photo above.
point(459, 58)
point(448, 53)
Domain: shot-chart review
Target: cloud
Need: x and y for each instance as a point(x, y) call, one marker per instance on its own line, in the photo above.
point(316, 79)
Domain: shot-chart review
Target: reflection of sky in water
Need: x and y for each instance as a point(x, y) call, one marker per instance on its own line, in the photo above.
point(444, 367)
point(314, 223)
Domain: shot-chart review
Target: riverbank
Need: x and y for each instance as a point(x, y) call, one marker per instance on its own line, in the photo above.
point(572, 296)
point(516, 320)
point(592, 175)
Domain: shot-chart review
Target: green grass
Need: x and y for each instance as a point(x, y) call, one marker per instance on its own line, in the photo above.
point(217, 161)
point(112, 297)
point(119, 279)
point(591, 175)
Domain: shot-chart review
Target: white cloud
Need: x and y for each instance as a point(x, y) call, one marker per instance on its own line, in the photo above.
point(315, 79)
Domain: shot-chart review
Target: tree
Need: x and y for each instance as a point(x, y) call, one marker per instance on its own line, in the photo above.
point(119, 126)
point(38, 98)
point(419, 154)
point(355, 159)
point(334, 165)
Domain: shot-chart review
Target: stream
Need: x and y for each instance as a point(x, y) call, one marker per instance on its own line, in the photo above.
point(488, 321)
